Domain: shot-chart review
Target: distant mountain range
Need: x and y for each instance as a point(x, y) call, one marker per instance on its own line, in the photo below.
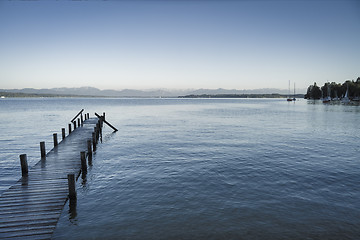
point(91, 91)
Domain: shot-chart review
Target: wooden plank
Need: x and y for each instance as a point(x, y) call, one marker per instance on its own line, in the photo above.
point(28, 233)
point(31, 207)
point(44, 236)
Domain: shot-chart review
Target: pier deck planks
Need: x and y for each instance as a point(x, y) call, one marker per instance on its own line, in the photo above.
point(31, 208)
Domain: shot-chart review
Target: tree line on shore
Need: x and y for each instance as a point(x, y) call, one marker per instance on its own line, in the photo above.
point(334, 90)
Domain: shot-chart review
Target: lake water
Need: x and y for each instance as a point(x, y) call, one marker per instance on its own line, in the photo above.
point(201, 168)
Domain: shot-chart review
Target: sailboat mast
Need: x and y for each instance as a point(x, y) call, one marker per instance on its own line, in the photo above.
point(289, 90)
point(294, 99)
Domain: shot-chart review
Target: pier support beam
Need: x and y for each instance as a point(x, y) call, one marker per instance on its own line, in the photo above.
point(55, 139)
point(89, 152)
point(94, 141)
point(71, 185)
point(42, 150)
point(63, 133)
point(83, 163)
point(24, 165)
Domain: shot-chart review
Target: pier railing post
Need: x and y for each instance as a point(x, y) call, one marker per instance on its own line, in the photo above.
point(78, 120)
point(69, 128)
point(71, 185)
point(63, 133)
point(42, 149)
point(89, 151)
point(74, 125)
point(55, 139)
point(88, 115)
point(81, 119)
point(24, 165)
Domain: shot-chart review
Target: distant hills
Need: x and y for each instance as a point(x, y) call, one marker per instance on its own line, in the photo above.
point(95, 92)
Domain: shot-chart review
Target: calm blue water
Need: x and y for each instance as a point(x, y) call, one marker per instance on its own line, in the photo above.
point(202, 168)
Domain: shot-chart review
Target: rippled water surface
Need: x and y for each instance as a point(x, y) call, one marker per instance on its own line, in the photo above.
point(201, 168)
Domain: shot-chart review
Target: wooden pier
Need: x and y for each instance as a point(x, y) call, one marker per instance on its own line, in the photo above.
point(30, 209)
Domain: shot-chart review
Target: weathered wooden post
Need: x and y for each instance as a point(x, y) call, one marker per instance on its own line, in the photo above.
point(94, 141)
point(104, 115)
point(83, 163)
point(55, 139)
point(63, 133)
point(69, 128)
point(74, 125)
point(81, 119)
point(24, 165)
point(97, 132)
point(99, 127)
point(71, 185)
point(88, 115)
point(42, 149)
point(78, 120)
point(101, 123)
point(89, 152)
point(106, 122)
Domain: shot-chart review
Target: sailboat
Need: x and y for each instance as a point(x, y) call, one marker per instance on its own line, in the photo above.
point(294, 99)
point(346, 99)
point(289, 99)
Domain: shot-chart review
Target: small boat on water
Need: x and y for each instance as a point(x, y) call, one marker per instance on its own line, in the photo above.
point(294, 99)
point(289, 99)
point(346, 99)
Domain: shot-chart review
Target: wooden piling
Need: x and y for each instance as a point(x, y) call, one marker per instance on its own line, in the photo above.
point(69, 128)
point(94, 141)
point(106, 122)
point(88, 115)
point(81, 118)
point(97, 131)
point(104, 115)
point(55, 139)
point(96, 134)
point(24, 165)
point(71, 185)
point(42, 149)
point(78, 120)
point(101, 121)
point(74, 125)
point(83, 163)
point(63, 133)
point(89, 149)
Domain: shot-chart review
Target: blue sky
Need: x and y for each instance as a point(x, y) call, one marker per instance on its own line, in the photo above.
point(178, 44)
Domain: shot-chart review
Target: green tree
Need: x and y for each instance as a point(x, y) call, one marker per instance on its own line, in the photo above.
point(313, 92)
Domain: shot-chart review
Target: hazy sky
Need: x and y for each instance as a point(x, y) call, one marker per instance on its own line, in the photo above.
point(178, 44)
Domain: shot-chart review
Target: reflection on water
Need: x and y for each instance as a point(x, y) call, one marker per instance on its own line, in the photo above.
point(217, 169)
point(72, 211)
